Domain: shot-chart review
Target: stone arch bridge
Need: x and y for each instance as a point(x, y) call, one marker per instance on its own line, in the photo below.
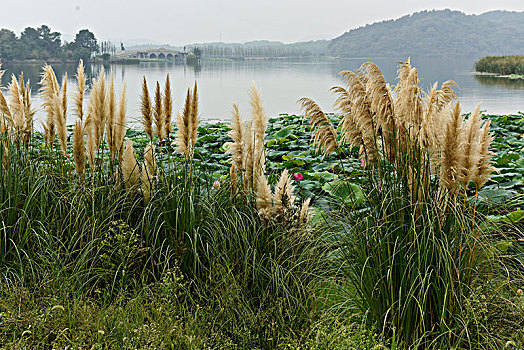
point(161, 54)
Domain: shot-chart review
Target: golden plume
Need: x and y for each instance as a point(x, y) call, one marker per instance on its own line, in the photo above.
point(194, 117)
point(100, 107)
point(168, 107)
point(120, 125)
point(361, 112)
point(381, 100)
point(471, 133)
point(283, 195)
point(94, 118)
point(17, 104)
point(350, 130)
point(264, 201)
point(484, 167)
point(78, 97)
point(325, 135)
point(147, 117)
point(60, 113)
point(248, 158)
point(29, 114)
point(259, 129)
point(259, 117)
point(408, 102)
point(111, 118)
point(4, 109)
point(79, 150)
point(236, 148)
point(452, 150)
point(130, 167)
point(49, 92)
point(381, 103)
point(183, 123)
point(6, 120)
point(304, 212)
point(159, 114)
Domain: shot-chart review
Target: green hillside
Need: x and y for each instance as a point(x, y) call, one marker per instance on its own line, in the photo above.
point(436, 33)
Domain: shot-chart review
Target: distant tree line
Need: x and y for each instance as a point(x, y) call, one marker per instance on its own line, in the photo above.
point(44, 44)
point(503, 65)
point(260, 50)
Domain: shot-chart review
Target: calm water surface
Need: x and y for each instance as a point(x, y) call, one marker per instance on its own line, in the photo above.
point(282, 83)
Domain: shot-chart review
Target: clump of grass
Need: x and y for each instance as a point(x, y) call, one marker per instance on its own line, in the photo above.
point(414, 254)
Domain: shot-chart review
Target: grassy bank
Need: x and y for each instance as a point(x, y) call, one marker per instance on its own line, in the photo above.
point(248, 235)
point(501, 65)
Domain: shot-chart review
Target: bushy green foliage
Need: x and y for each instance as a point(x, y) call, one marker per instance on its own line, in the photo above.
point(503, 65)
point(43, 44)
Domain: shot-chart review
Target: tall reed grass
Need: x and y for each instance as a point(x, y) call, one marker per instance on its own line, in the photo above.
point(414, 254)
point(90, 217)
point(90, 212)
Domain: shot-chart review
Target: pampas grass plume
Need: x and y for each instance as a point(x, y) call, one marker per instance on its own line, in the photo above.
point(61, 117)
point(194, 117)
point(147, 117)
point(484, 167)
point(236, 148)
point(111, 118)
point(159, 114)
point(283, 195)
point(471, 157)
point(16, 103)
point(79, 93)
point(49, 92)
point(304, 211)
point(450, 164)
point(168, 107)
point(183, 123)
point(325, 135)
point(263, 194)
point(130, 167)
point(120, 125)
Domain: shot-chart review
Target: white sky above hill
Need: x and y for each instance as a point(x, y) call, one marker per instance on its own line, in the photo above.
point(182, 22)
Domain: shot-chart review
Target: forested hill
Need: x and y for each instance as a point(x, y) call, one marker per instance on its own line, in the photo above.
point(436, 33)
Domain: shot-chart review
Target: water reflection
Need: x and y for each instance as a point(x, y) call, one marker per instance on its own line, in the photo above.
point(281, 82)
point(517, 84)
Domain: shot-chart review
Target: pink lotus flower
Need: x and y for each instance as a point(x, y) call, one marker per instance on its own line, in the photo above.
point(363, 162)
point(298, 177)
point(216, 185)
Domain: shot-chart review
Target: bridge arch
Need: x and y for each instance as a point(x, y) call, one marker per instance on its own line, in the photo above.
point(153, 55)
point(170, 56)
point(161, 56)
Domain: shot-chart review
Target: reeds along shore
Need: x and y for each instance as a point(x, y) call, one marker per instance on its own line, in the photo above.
point(402, 257)
point(374, 117)
point(99, 123)
point(406, 122)
point(102, 122)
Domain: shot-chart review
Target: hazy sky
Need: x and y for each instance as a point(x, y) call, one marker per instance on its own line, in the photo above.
point(182, 22)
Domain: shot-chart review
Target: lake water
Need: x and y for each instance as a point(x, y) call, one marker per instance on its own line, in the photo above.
point(282, 83)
